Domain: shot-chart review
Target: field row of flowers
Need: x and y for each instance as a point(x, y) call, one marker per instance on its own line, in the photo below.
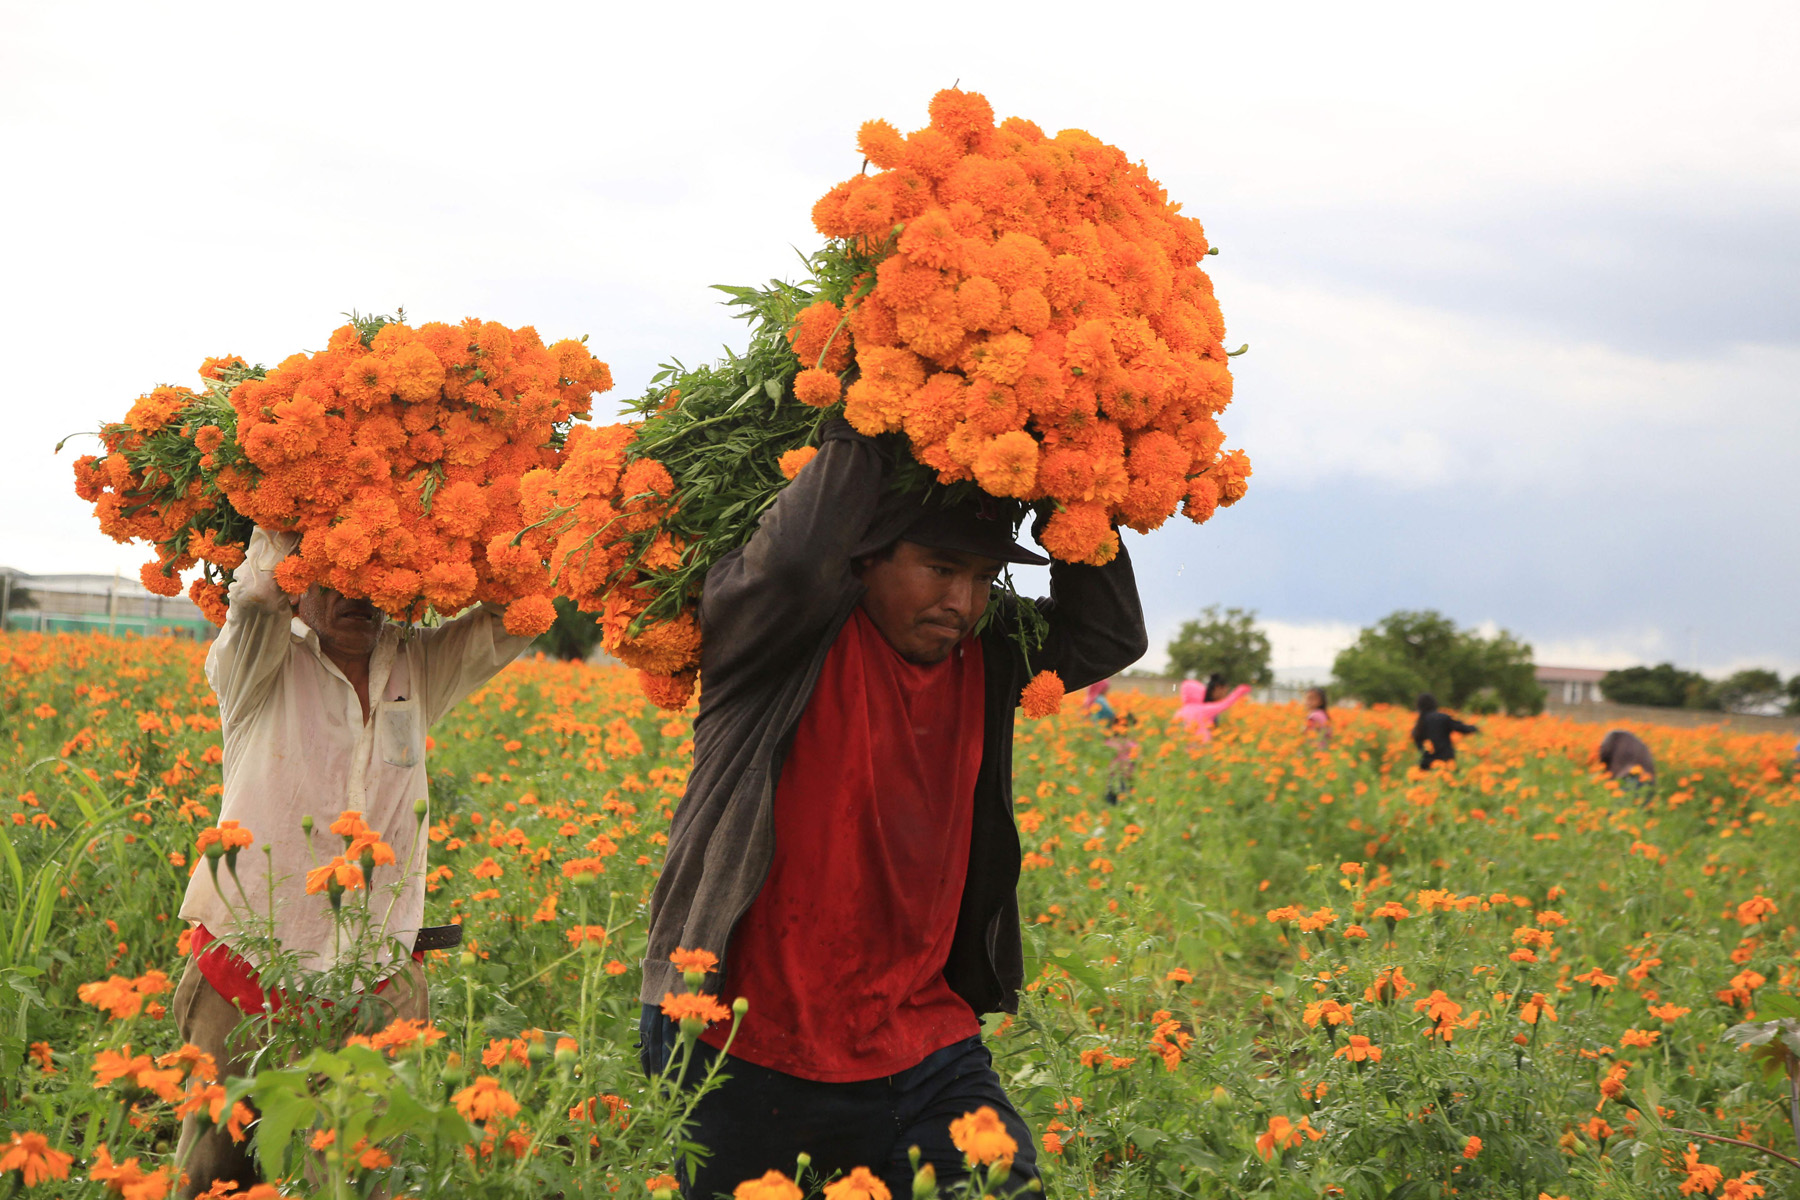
point(1272, 969)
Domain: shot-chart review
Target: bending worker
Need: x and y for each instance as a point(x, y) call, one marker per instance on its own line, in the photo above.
point(846, 843)
point(323, 714)
point(1627, 759)
point(1431, 732)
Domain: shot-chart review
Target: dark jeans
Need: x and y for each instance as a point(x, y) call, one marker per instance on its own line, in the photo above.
point(760, 1120)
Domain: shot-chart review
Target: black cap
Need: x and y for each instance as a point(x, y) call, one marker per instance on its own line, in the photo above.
point(983, 526)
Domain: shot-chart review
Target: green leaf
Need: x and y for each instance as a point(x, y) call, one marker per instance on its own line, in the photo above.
point(1777, 1004)
point(282, 1113)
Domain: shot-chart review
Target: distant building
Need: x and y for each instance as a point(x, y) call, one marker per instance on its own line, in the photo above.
point(95, 604)
point(1571, 685)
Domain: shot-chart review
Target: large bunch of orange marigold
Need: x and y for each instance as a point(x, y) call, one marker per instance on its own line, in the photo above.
point(1025, 314)
point(1036, 322)
point(395, 452)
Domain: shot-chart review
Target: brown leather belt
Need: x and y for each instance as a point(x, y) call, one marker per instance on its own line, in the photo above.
point(438, 937)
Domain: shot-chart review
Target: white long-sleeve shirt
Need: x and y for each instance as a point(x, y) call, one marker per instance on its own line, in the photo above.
point(296, 744)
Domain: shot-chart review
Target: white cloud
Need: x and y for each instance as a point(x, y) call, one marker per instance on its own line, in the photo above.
point(1307, 648)
point(202, 179)
point(1342, 385)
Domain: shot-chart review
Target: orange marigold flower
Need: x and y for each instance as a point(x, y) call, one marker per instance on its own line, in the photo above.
point(485, 1099)
point(1359, 1049)
point(669, 692)
point(338, 873)
point(530, 616)
point(1043, 695)
point(1081, 533)
point(127, 1179)
point(1740, 1188)
point(693, 1006)
point(118, 995)
point(818, 340)
point(772, 1186)
point(1283, 1134)
point(1007, 465)
point(818, 387)
point(1597, 979)
point(1536, 1007)
point(701, 961)
point(791, 461)
point(1472, 1147)
point(575, 868)
point(1643, 1038)
point(859, 1184)
point(30, 1155)
point(982, 1137)
point(1330, 1012)
point(349, 823)
point(404, 1032)
point(1755, 910)
point(1390, 984)
point(1701, 1177)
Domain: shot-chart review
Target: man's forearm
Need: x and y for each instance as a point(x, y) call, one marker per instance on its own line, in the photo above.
point(1096, 621)
point(793, 571)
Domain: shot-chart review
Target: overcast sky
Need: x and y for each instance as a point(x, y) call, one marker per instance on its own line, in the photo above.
point(1521, 284)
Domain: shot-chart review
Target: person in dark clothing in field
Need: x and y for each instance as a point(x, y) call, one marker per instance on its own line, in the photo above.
point(1627, 759)
point(1431, 733)
point(846, 845)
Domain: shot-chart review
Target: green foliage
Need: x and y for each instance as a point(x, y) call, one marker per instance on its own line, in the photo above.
point(1661, 686)
point(1406, 653)
point(1750, 691)
point(18, 596)
point(1165, 1025)
point(368, 325)
point(1228, 642)
point(573, 636)
point(722, 439)
point(1791, 693)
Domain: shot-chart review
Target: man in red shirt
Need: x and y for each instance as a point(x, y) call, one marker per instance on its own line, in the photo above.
point(846, 844)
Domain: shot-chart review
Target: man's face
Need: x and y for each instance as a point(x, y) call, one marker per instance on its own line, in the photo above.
point(345, 627)
point(925, 600)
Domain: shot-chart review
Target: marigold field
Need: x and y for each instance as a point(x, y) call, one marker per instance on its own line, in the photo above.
point(1272, 970)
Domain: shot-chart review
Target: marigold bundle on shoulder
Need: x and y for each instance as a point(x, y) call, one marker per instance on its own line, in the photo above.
point(395, 452)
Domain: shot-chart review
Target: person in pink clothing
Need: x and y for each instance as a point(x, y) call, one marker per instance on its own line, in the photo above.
point(1318, 717)
point(1201, 704)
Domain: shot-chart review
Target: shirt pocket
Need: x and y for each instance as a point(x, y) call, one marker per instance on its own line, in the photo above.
point(399, 733)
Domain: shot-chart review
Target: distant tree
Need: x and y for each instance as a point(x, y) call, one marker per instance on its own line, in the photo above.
point(1226, 641)
point(1751, 691)
point(1406, 653)
point(574, 635)
point(16, 597)
point(1792, 693)
point(1663, 686)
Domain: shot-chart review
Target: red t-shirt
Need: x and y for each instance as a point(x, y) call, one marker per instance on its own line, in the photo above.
point(842, 953)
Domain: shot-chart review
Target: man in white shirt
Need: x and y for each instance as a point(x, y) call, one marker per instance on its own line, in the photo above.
point(323, 713)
